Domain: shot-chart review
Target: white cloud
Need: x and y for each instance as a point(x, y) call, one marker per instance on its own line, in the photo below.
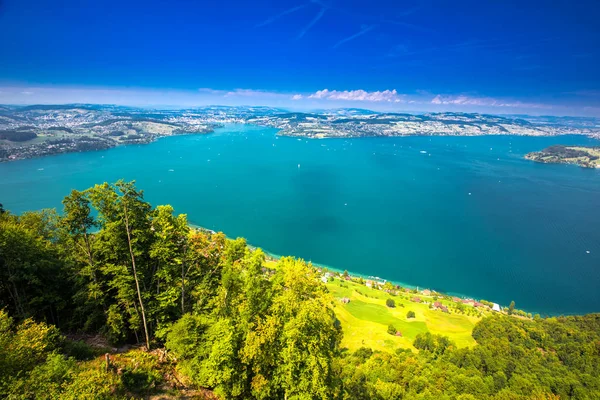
point(463, 100)
point(390, 96)
point(251, 93)
point(386, 100)
point(240, 93)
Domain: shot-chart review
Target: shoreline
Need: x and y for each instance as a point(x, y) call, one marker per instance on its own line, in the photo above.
point(355, 275)
point(217, 126)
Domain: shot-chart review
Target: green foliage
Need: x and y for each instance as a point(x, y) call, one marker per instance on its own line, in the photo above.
point(265, 337)
point(391, 329)
point(78, 350)
point(33, 278)
point(514, 359)
point(23, 348)
point(435, 344)
point(511, 308)
point(113, 264)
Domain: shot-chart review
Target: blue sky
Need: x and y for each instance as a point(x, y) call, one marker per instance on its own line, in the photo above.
point(423, 55)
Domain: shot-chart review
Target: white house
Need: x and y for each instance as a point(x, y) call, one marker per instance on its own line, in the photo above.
point(495, 307)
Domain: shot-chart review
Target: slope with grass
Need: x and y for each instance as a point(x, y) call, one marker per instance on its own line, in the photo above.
point(365, 318)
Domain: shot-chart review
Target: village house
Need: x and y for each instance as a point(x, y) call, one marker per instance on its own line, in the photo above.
point(416, 299)
point(426, 292)
point(439, 306)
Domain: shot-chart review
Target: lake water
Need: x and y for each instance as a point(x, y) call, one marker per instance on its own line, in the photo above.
point(465, 215)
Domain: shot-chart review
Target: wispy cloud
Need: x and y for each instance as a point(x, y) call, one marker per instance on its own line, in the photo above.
point(281, 14)
point(312, 22)
point(462, 100)
point(252, 93)
point(364, 29)
point(244, 93)
point(585, 93)
point(390, 96)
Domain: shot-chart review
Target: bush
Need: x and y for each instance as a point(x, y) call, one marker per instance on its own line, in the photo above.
point(410, 314)
point(391, 329)
point(390, 303)
point(78, 350)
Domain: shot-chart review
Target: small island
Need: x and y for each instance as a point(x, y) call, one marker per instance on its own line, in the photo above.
point(584, 156)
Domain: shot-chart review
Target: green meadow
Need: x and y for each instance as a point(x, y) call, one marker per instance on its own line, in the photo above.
point(365, 319)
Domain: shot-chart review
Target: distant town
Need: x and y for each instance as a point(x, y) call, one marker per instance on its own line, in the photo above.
point(34, 131)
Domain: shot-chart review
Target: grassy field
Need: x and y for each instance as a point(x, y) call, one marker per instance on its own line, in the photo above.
point(366, 317)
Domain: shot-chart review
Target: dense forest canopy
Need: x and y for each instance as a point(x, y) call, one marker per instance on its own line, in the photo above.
point(17, 135)
point(110, 264)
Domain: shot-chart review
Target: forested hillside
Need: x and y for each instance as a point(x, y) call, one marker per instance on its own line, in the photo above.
point(186, 312)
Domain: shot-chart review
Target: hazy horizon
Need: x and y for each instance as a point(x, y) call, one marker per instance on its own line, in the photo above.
point(534, 58)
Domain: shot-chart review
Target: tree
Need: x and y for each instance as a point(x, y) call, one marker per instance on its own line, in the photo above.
point(168, 253)
point(124, 242)
point(2, 209)
point(410, 314)
point(201, 272)
point(390, 303)
point(33, 278)
point(388, 286)
point(345, 274)
point(511, 308)
point(78, 223)
point(391, 329)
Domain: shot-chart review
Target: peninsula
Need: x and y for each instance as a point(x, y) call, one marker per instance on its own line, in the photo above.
point(584, 156)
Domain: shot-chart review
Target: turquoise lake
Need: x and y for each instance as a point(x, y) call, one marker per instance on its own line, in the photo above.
point(464, 215)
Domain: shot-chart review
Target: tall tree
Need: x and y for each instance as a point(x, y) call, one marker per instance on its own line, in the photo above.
point(125, 223)
point(168, 253)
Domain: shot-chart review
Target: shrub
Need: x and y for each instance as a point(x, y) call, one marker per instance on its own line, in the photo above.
point(410, 314)
point(78, 350)
point(390, 303)
point(391, 329)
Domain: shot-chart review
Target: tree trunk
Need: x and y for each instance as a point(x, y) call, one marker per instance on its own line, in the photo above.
point(15, 294)
point(89, 254)
point(182, 288)
point(137, 282)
